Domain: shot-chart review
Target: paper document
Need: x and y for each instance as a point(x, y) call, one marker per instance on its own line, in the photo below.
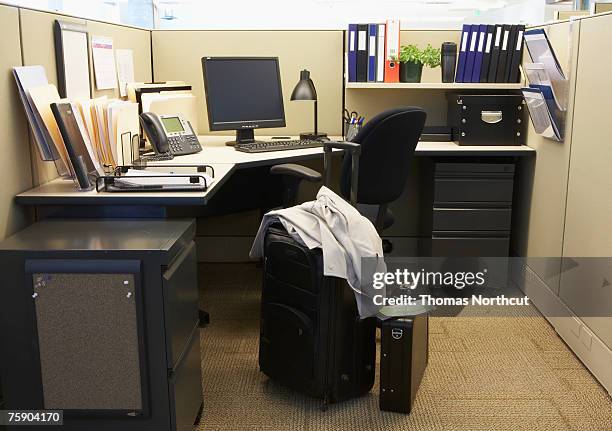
point(540, 51)
point(544, 121)
point(537, 75)
point(125, 69)
point(104, 62)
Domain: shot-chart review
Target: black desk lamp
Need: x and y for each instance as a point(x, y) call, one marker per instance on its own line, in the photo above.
point(305, 90)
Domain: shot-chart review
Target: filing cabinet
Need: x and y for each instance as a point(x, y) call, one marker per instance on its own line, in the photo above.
point(472, 209)
point(99, 318)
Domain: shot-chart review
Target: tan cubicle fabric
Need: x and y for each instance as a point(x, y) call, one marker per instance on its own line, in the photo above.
point(177, 56)
point(369, 102)
point(589, 195)
point(38, 48)
point(539, 213)
point(15, 170)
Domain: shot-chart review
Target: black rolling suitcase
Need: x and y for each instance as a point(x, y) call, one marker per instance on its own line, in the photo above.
point(403, 359)
point(311, 337)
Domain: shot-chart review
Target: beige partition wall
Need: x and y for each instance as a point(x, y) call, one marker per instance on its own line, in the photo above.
point(588, 227)
point(369, 102)
point(539, 210)
point(38, 48)
point(177, 56)
point(15, 172)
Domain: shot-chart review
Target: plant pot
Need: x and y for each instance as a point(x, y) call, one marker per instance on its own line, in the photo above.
point(410, 71)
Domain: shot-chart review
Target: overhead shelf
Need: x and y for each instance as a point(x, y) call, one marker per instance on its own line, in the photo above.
point(434, 85)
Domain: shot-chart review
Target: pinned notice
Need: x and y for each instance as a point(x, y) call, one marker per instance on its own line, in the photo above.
point(104, 62)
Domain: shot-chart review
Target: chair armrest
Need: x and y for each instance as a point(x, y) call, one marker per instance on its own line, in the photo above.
point(342, 145)
point(299, 171)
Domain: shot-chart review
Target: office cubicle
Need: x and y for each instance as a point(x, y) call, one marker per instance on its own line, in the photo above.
point(560, 204)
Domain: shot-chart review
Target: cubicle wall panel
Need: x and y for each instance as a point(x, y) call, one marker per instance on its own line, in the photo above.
point(177, 56)
point(369, 102)
point(15, 168)
point(38, 49)
point(138, 40)
point(539, 207)
point(589, 205)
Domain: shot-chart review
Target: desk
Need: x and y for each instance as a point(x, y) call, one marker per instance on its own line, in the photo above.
point(225, 160)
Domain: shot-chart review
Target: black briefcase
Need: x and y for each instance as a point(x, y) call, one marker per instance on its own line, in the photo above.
point(487, 119)
point(403, 359)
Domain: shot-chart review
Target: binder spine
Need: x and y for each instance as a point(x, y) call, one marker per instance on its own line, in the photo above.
point(469, 63)
point(462, 53)
point(372, 39)
point(478, 54)
point(352, 53)
point(495, 51)
point(380, 53)
point(362, 52)
point(392, 45)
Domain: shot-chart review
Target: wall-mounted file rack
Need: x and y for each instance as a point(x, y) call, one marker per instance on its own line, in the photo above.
point(548, 92)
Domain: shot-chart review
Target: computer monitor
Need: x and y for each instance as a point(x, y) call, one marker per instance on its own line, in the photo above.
point(242, 94)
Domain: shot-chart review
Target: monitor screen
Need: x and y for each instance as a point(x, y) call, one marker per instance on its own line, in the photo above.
point(172, 124)
point(243, 92)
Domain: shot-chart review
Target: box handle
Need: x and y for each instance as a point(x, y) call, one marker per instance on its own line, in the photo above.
point(491, 117)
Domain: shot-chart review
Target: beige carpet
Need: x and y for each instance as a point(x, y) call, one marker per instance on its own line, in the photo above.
point(484, 373)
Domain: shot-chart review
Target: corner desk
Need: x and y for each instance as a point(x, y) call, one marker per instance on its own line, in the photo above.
point(225, 161)
point(469, 212)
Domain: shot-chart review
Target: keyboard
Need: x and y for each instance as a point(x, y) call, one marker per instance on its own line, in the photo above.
point(265, 146)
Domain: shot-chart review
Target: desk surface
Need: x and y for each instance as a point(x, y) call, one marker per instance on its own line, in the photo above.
point(225, 160)
point(214, 151)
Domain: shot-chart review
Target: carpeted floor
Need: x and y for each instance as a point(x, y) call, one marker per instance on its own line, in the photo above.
point(484, 373)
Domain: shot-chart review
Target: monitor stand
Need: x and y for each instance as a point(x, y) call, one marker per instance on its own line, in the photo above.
point(243, 136)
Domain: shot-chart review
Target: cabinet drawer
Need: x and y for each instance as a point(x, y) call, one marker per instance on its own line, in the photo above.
point(180, 301)
point(472, 219)
point(185, 386)
point(465, 246)
point(473, 190)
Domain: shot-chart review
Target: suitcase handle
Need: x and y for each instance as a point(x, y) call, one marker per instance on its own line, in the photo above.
point(491, 117)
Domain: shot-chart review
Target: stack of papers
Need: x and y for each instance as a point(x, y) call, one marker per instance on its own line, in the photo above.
point(110, 127)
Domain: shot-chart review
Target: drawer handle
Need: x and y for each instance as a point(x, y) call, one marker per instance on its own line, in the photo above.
point(491, 117)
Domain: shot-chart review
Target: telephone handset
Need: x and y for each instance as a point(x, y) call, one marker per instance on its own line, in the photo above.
point(169, 134)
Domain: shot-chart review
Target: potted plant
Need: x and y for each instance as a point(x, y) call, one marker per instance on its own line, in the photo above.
point(412, 60)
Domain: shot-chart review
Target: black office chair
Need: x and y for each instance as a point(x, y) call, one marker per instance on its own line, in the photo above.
point(378, 160)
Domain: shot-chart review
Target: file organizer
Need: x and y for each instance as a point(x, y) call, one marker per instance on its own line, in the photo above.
point(548, 91)
point(116, 181)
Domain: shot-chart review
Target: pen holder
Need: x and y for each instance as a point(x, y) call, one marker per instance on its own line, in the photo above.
point(351, 130)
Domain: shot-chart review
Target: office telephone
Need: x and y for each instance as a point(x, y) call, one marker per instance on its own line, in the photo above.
point(170, 135)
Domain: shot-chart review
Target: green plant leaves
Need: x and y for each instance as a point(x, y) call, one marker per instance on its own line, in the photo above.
point(429, 56)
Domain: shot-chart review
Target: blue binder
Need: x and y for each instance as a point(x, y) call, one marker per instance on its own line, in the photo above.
point(480, 43)
point(352, 53)
point(465, 38)
point(471, 53)
point(372, 39)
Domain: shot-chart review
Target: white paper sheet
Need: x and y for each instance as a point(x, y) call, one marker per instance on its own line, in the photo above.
point(104, 62)
point(125, 69)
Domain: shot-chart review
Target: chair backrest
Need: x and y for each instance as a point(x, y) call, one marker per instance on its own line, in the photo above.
point(388, 142)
